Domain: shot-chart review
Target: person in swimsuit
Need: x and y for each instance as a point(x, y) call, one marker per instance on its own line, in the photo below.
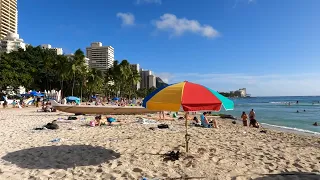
point(252, 115)
point(244, 118)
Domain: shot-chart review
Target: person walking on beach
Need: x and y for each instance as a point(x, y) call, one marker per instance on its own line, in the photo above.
point(244, 118)
point(252, 116)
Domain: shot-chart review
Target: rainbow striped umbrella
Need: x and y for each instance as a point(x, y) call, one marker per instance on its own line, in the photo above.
point(186, 96)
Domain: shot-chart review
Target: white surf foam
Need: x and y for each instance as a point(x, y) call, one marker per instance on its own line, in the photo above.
point(292, 129)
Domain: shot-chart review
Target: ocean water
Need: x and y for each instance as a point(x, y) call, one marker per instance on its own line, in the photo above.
point(274, 111)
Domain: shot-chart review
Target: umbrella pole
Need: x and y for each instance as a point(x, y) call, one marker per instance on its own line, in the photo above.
point(186, 136)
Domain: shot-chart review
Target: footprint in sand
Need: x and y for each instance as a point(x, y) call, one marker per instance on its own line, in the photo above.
point(164, 175)
point(117, 171)
point(213, 150)
point(119, 164)
point(138, 170)
point(202, 150)
point(127, 175)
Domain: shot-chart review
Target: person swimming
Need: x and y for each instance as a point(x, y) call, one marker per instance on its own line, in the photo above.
point(315, 124)
point(297, 111)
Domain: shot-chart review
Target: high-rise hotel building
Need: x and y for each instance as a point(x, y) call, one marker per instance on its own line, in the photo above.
point(100, 57)
point(8, 17)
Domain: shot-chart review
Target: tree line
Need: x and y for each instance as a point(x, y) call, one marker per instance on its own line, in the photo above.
point(42, 69)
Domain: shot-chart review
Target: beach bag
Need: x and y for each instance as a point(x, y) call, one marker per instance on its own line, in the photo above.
point(163, 126)
point(52, 126)
point(72, 118)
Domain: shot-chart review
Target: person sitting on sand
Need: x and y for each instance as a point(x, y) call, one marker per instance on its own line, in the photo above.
point(244, 118)
point(196, 121)
point(205, 123)
point(14, 103)
point(254, 123)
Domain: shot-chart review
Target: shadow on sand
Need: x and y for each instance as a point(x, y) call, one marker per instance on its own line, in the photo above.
point(290, 176)
point(60, 157)
point(41, 114)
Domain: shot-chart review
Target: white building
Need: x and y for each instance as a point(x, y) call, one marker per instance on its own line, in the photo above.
point(148, 80)
point(8, 17)
point(48, 46)
point(136, 67)
point(11, 42)
point(101, 57)
point(243, 92)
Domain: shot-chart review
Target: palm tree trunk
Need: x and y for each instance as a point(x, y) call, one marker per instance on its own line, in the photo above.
point(61, 86)
point(81, 91)
point(73, 84)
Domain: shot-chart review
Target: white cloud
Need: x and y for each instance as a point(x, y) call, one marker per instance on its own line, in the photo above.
point(149, 1)
point(127, 18)
point(177, 27)
point(257, 85)
point(165, 77)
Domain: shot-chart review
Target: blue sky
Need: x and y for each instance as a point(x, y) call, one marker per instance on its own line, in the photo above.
point(271, 47)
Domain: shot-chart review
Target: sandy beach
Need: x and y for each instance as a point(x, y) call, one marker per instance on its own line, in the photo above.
point(133, 151)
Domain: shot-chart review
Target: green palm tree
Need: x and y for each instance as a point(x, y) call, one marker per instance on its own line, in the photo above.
point(77, 66)
point(133, 80)
point(95, 81)
point(63, 70)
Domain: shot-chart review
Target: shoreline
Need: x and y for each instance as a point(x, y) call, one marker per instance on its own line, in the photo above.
point(275, 128)
point(291, 130)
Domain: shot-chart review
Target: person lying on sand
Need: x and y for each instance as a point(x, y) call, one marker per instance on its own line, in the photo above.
point(99, 121)
point(112, 121)
point(205, 123)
